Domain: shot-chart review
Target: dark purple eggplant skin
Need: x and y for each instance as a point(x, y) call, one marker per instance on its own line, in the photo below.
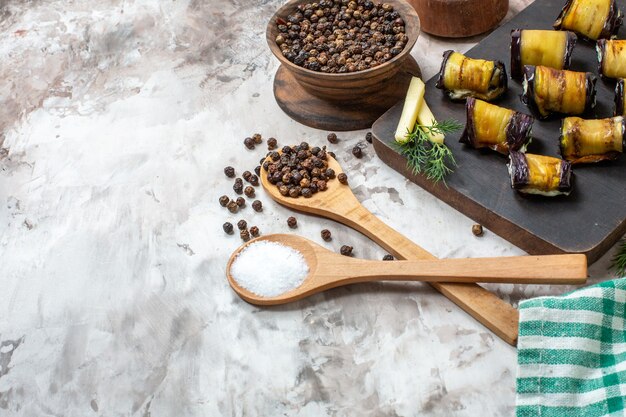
point(518, 130)
point(619, 98)
point(601, 48)
point(469, 134)
point(611, 24)
point(519, 170)
point(440, 79)
point(527, 97)
point(516, 52)
point(565, 179)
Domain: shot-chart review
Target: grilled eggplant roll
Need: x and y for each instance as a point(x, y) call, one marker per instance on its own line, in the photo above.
point(619, 98)
point(549, 91)
point(593, 19)
point(538, 174)
point(549, 48)
point(585, 141)
point(611, 58)
point(461, 77)
point(494, 127)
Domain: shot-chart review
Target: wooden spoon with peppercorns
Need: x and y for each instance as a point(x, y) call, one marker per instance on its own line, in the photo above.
point(338, 203)
point(327, 270)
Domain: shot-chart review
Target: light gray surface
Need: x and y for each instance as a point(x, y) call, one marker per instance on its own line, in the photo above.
point(117, 119)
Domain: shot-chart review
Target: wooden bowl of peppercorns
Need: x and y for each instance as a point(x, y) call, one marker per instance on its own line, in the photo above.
point(343, 63)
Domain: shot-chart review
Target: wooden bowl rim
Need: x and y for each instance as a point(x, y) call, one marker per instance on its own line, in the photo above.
point(281, 12)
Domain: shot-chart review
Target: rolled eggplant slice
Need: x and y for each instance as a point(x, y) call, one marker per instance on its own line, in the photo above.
point(548, 48)
point(586, 141)
point(538, 174)
point(549, 91)
point(611, 58)
point(461, 77)
point(619, 98)
point(494, 127)
point(592, 19)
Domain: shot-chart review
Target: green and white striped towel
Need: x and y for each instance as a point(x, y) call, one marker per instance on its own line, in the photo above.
point(572, 353)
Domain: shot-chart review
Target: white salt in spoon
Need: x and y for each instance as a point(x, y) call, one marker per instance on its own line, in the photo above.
point(327, 269)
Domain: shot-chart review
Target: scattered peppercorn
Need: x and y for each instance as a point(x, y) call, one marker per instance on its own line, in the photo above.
point(249, 143)
point(233, 207)
point(228, 228)
point(241, 202)
point(343, 178)
point(339, 36)
point(254, 231)
point(357, 152)
point(244, 235)
point(242, 224)
point(346, 250)
point(326, 235)
point(332, 138)
point(368, 137)
point(257, 169)
point(257, 138)
point(257, 206)
point(477, 230)
point(292, 222)
point(254, 180)
point(249, 191)
point(238, 187)
point(224, 200)
point(272, 143)
point(246, 175)
point(229, 172)
point(388, 257)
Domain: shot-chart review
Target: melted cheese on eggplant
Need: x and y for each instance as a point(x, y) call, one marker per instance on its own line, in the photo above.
point(463, 73)
point(490, 123)
point(614, 62)
point(560, 91)
point(543, 47)
point(581, 137)
point(587, 17)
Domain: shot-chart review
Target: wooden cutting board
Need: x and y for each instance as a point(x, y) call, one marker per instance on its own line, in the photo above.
point(589, 221)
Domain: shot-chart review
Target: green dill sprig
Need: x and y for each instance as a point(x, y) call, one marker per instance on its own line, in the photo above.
point(618, 263)
point(435, 160)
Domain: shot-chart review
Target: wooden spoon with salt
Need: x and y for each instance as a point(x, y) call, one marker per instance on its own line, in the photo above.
point(329, 270)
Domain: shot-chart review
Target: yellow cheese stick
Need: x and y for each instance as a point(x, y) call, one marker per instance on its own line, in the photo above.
point(416, 110)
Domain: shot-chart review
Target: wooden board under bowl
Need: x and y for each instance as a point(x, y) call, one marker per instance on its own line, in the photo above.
point(589, 221)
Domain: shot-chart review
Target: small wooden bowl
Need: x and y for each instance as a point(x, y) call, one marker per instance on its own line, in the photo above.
point(320, 99)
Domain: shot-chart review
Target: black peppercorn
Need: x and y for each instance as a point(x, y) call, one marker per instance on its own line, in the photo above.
point(346, 250)
point(254, 231)
point(306, 192)
point(388, 257)
point(257, 138)
point(257, 170)
point(294, 192)
point(249, 143)
point(257, 206)
point(330, 173)
point(224, 200)
point(292, 222)
point(343, 178)
point(477, 230)
point(368, 137)
point(275, 156)
point(326, 235)
point(242, 224)
point(332, 137)
point(283, 190)
point(241, 202)
point(272, 143)
point(229, 172)
point(254, 180)
point(246, 175)
point(249, 191)
point(357, 152)
point(244, 235)
point(238, 187)
point(228, 228)
point(233, 207)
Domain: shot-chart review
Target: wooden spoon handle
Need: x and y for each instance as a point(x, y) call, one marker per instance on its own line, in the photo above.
point(495, 314)
point(548, 270)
